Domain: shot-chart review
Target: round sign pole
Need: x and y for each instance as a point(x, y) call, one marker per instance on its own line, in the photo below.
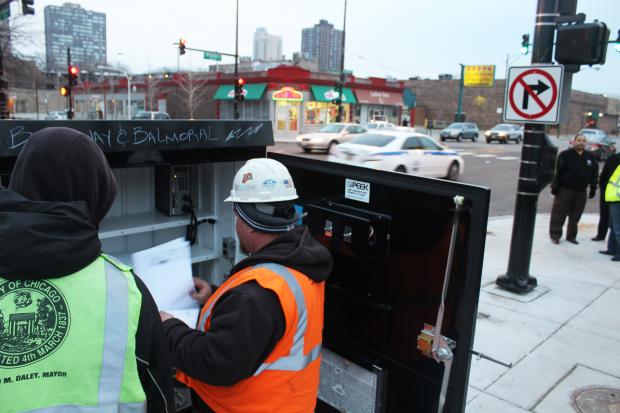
point(517, 278)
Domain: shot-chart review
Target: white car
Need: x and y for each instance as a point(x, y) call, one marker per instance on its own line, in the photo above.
point(56, 115)
point(412, 153)
point(380, 125)
point(329, 135)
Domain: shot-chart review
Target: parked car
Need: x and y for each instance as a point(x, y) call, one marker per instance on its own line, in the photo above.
point(406, 152)
point(144, 114)
point(460, 131)
point(380, 125)
point(598, 143)
point(56, 115)
point(329, 135)
point(504, 133)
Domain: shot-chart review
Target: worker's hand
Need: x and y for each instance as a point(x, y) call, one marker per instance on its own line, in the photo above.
point(592, 193)
point(203, 290)
point(165, 316)
point(554, 190)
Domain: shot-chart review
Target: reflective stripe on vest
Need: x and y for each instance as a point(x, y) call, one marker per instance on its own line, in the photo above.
point(612, 191)
point(115, 337)
point(296, 360)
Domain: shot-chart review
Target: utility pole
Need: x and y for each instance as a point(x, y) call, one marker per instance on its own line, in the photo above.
point(459, 110)
point(236, 103)
point(70, 112)
point(341, 81)
point(517, 277)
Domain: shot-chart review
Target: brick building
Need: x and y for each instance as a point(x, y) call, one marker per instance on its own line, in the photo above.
point(437, 100)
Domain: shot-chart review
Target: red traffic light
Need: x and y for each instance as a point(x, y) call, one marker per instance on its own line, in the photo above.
point(241, 81)
point(183, 42)
point(74, 70)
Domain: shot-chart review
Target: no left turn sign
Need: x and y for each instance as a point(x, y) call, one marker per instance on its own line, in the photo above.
point(533, 94)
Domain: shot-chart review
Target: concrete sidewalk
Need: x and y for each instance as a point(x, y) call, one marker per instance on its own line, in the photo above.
point(561, 338)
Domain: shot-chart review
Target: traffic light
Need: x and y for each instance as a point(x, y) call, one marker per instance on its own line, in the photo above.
point(73, 75)
point(582, 44)
point(27, 7)
point(525, 44)
point(182, 44)
point(239, 96)
point(65, 91)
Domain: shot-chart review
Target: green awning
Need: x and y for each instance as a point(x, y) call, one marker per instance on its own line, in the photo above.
point(253, 91)
point(327, 94)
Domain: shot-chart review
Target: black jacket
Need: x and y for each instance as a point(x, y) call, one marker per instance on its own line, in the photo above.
point(47, 240)
point(61, 188)
point(608, 170)
point(247, 321)
point(576, 172)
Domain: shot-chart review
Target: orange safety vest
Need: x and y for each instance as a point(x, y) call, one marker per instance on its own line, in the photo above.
point(288, 379)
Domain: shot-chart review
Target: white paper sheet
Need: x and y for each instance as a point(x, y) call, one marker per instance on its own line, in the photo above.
point(166, 270)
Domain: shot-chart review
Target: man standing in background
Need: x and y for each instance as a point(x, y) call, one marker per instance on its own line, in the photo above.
point(576, 169)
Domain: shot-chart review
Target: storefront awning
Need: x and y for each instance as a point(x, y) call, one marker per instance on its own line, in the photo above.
point(377, 97)
point(327, 94)
point(252, 91)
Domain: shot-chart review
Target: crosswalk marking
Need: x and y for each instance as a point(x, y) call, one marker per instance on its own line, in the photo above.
point(485, 155)
point(507, 158)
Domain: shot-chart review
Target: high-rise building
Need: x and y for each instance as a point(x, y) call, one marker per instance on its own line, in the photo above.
point(324, 43)
point(84, 31)
point(267, 47)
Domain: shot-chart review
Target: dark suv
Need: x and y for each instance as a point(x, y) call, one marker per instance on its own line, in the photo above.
point(460, 131)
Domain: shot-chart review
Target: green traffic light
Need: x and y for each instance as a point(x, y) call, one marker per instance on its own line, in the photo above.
point(525, 50)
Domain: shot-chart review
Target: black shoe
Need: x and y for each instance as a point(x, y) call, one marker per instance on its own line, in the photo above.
point(606, 252)
point(555, 241)
point(573, 241)
point(616, 258)
point(597, 238)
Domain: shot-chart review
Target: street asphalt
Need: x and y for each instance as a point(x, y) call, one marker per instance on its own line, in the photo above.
point(494, 165)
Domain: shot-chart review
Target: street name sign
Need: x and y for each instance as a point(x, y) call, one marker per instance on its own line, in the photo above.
point(533, 94)
point(212, 56)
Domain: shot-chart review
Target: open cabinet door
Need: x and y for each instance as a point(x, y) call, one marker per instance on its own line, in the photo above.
point(393, 237)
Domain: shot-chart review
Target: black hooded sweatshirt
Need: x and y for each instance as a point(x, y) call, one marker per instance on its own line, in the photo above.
point(247, 321)
point(61, 188)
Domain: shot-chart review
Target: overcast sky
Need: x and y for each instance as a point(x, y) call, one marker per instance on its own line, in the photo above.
point(401, 38)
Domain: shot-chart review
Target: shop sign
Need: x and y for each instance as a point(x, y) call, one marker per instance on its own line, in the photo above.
point(332, 94)
point(479, 76)
point(231, 93)
point(287, 93)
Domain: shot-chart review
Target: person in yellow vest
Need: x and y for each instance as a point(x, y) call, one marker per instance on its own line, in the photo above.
point(257, 344)
point(612, 198)
point(79, 332)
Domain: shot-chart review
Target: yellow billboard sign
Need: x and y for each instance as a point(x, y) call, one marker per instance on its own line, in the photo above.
point(479, 76)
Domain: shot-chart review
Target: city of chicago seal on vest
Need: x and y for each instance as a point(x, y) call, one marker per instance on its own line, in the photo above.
point(34, 321)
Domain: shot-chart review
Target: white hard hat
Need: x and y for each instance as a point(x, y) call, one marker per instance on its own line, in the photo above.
point(262, 180)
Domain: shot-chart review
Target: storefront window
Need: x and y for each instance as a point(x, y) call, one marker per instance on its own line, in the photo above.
point(287, 115)
point(320, 113)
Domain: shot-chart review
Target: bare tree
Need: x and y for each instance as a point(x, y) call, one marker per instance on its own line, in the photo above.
point(192, 92)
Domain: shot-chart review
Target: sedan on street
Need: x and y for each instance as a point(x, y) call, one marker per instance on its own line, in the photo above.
point(504, 133)
point(460, 131)
point(329, 135)
point(406, 152)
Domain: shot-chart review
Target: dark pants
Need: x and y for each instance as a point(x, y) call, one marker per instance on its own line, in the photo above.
point(603, 221)
point(566, 203)
point(613, 244)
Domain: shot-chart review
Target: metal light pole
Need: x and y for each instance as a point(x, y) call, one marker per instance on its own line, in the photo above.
point(342, 76)
point(123, 73)
point(236, 104)
point(460, 104)
point(517, 277)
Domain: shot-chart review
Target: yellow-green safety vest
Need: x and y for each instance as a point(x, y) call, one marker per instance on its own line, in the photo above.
point(612, 191)
point(68, 344)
